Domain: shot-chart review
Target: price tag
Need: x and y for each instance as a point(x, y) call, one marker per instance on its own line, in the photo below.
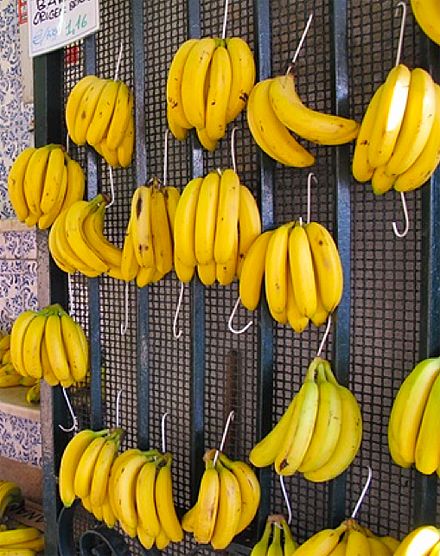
point(56, 23)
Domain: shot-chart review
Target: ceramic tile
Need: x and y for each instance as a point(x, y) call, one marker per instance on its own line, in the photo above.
point(20, 439)
point(18, 245)
point(18, 289)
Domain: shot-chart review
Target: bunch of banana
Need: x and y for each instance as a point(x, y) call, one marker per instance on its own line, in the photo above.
point(42, 183)
point(8, 375)
point(275, 109)
point(77, 241)
point(349, 539)
point(320, 432)
point(33, 394)
point(271, 543)
point(412, 427)
point(422, 541)
point(427, 14)
point(228, 499)
point(399, 140)
point(216, 221)
point(302, 274)
point(208, 85)
point(49, 344)
point(10, 496)
point(147, 254)
point(21, 541)
point(100, 112)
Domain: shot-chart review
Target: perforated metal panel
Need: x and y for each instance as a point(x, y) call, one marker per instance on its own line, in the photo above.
point(208, 371)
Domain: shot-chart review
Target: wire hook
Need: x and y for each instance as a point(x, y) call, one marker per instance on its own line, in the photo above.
point(363, 493)
point(405, 213)
point(225, 432)
point(234, 161)
point(74, 426)
point(112, 188)
point(225, 19)
point(286, 500)
point(163, 431)
point(124, 325)
point(70, 295)
point(324, 338)
point(118, 63)
point(165, 158)
point(118, 407)
point(67, 143)
point(231, 318)
point(177, 333)
point(301, 42)
point(401, 32)
point(311, 177)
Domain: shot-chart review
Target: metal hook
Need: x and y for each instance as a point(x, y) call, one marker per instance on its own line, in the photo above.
point(286, 500)
point(163, 432)
point(118, 63)
point(118, 407)
point(310, 177)
point(67, 143)
point(234, 162)
point(324, 338)
point(74, 426)
point(301, 42)
point(225, 432)
point(177, 333)
point(165, 159)
point(363, 493)
point(225, 19)
point(69, 295)
point(112, 187)
point(402, 31)
point(405, 213)
point(231, 318)
point(124, 325)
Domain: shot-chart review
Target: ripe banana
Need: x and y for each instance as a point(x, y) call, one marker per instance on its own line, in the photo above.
point(18, 332)
point(295, 318)
point(52, 179)
point(145, 499)
point(427, 14)
point(184, 272)
point(125, 495)
point(184, 224)
point(427, 449)
point(120, 461)
point(302, 271)
point(77, 357)
point(207, 273)
point(322, 543)
point(220, 78)
point(86, 110)
point(48, 219)
point(16, 183)
point(204, 139)
point(74, 101)
point(381, 182)
point(249, 224)
point(166, 512)
point(289, 543)
point(34, 179)
point(207, 504)
point(140, 226)
point(419, 541)
point(32, 346)
point(206, 218)
point(260, 548)
point(122, 113)
point(357, 543)
point(320, 128)
point(275, 272)
point(252, 272)
point(226, 231)
point(102, 116)
point(55, 348)
point(76, 184)
point(129, 264)
point(93, 230)
point(161, 233)
point(126, 146)
point(101, 472)
point(243, 76)
point(86, 466)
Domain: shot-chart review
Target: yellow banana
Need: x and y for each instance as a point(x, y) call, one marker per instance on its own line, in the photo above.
point(162, 239)
point(270, 134)
point(226, 272)
point(427, 448)
point(18, 332)
point(302, 271)
point(32, 346)
point(76, 355)
point(33, 394)
point(55, 348)
point(145, 499)
point(140, 227)
point(322, 543)
point(296, 320)
point(207, 504)
point(207, 273)
point(249, 224)
point(48, 374)
point(165, 504)
point(427, 14)
point(85, 468)
point(146, 540)
point(103, 113)
point(126, 146)
point(108, 516)
point(226, 231)
point(48, 219)
point(289, 543)
point(260, 548)
point(378, 548)
point(220, 78)
point(188, 519)
point(162, 541)
point(16, 183)
point(252, 272)
point(419, 541)
point(381, 182)
point(122, 113)
point(276, 270)
point(126, 490)
point(390, 542)
point(86, 110)
point(93, 231)
point(243, 76)
point(11, 537)
point(324, 129)
point(74, 102)
point(129, 264)
point(115, 472)
point(34, 179)
point(357, 543)
point(52, 179)
point(275, 548)
point(6, 381)
point(180, 133)
point(206, 218)
point(184, 272)
point(172, 196)
point(204, 139)
point(109, 155)
point(75, 184)
point(184, 224)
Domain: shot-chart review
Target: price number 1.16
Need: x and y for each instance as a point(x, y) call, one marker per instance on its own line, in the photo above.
point(74, 26)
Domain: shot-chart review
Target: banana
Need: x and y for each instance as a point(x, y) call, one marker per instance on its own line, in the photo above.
point(129, 264)
point(86, 110)
point(146, 540)
point(378, 548)
point(184, 224)
point(33, 394)
point(434, 552)
point(320, 128)
point(6, 381)
point(220, 79)
point(184, 272)
point(249, 488)
point(302, 271)
point(289, 543)
point(48, 219)
point(266, 450)
point(162, 541)
point(226, 231)
point(75, 184)
point(260, 548)
point(101, 472)
point(145, 276)
point(93, 230)
point(270, 134)
point(427, 14)
point(5, 342)
point(206, 218)
point(17, 552)
point(32, 346)
point(188, 519)
point(165, 504)
point(204, 139)
point(161, 233)
point(207, 504)
point(122, 113)
point(249, 224)
point(427, 448)
point(296, 320)
point(389, 116)
point(381, 182)
point(226, 272)
point(85, 468)
point(357, 543)
point(361, 168)
point(327, 264)
point(172, 196)
point(126, 490)
point(74, 102)
point(428, 160)
point(275, 548)
point(341, 548)
point(419, 541)
point(252, 272)
point(175, 113)
point(276, 270)
point(300, 432)
point(103, 113)
point(34, 179)
point(48, 374)
point(11, 537)
point(207, 273)
point(243, 76)
point(417, 123)
point(327, 428)
point(145, 499)
point(109, 155)
point(390, 542)
point(193, 81)
point(141, 229)
point(126, 146)
point(18, 332)
point(229, 509)
point(52, 180)
point(113, 479)
point(55, 348)
point(69, 463)
point(16, 183)
point(322, 543)
point(108, 516)
point(36, 545)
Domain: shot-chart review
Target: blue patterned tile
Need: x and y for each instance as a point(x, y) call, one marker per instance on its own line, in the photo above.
point(18, 244)
point(18, 289)
point(20, 439)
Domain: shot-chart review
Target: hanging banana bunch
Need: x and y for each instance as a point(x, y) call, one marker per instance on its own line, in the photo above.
point(100, 112)
point(320, 432)
point(217, 219)
point(42, 183)
point(208, 85)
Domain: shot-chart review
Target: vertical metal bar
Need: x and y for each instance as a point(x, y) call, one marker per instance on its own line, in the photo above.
point(342, 229)
point(197, 311)
point(425, 487)
point(263, 43)
point(48, 101)
point(96, 416)
point(142, 390)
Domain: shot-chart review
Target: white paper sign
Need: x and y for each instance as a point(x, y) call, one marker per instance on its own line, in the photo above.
point(55, 23)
